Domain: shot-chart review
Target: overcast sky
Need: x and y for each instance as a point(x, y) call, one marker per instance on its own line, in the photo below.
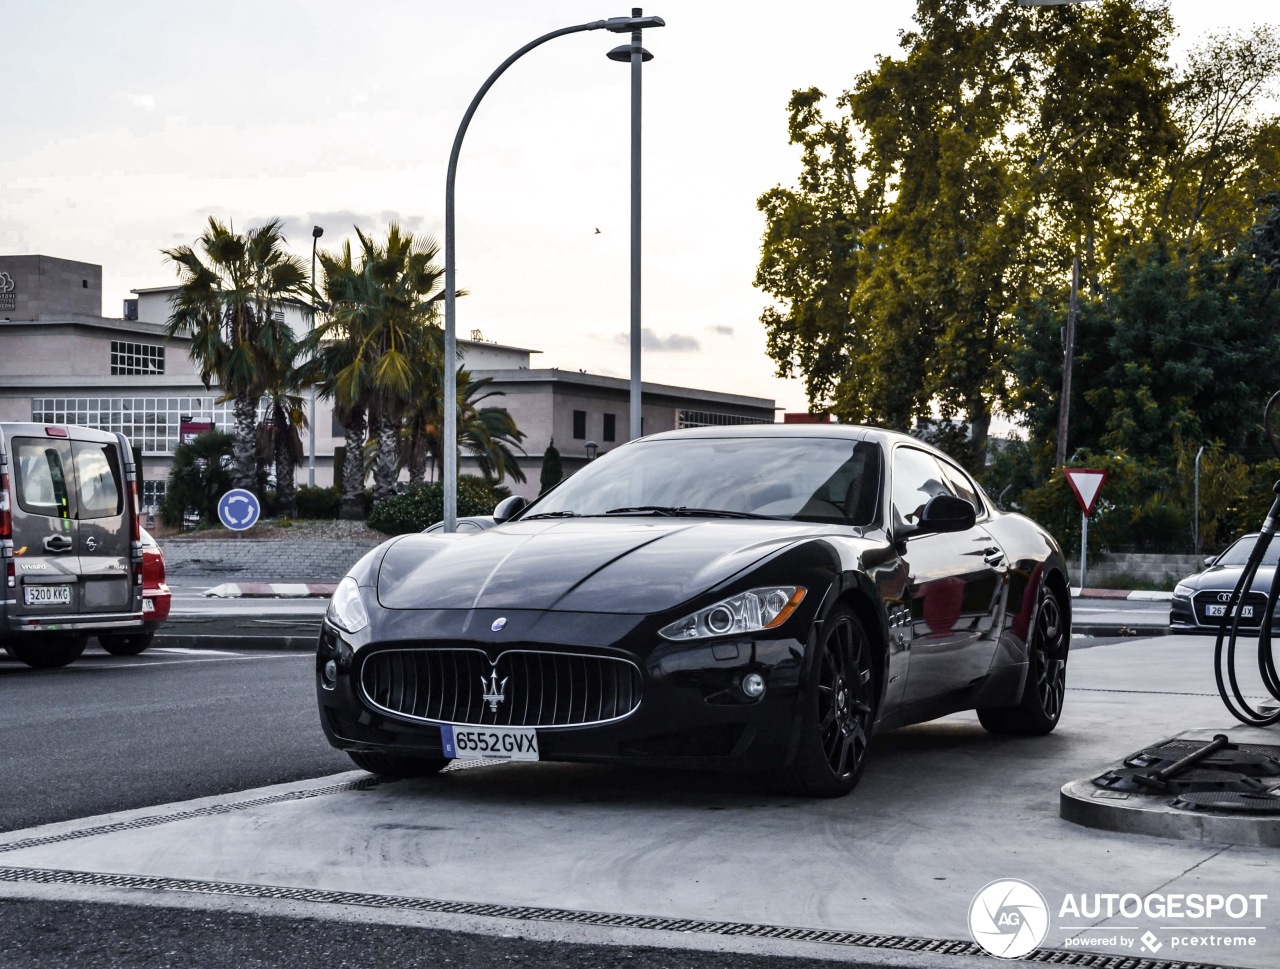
point(124, 126)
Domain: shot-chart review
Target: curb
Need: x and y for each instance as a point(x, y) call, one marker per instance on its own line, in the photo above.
point(272, 590)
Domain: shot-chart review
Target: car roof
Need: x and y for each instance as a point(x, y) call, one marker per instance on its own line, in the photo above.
point(847, 432)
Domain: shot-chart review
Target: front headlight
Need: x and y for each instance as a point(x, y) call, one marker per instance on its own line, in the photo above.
point(756, 609)
point(346, 611)
point(1182, 591)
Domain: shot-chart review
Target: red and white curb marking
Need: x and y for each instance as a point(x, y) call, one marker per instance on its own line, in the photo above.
point(270, 590)
point(1136, 596)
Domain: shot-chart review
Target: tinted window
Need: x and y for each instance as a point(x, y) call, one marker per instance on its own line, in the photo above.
point(42, 479)
point(1238, 554)
point(98, 472)
point(961, 485)
point(579, 425)
point(808, 479)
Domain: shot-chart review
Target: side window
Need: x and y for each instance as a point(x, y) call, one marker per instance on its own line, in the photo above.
point(917, 477)
point(101, 484)
point(42, 478)
point(962, 486)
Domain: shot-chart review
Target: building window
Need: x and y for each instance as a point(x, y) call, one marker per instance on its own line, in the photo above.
point(610, 427)
point(150, 423)
point(153, 495)
point(579, 425)
point(708, 418)
point(136, 358)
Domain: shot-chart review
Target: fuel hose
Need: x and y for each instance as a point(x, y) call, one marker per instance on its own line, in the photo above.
point(1224, 653)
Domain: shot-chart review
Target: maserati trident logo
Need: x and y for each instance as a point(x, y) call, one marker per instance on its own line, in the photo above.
point(494, 692)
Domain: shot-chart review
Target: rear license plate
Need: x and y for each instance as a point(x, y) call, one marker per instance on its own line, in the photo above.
point(1246, 612)
point(148, 606)
point(467, 742)
point(45, 595)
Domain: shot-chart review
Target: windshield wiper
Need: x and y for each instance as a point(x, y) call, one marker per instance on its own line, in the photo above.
point(685, 511)
point(550, 514)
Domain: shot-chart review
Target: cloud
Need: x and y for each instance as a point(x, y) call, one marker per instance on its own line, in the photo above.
point(673, 343)
point(340, 222)
point(146, 102)
point(721, 330)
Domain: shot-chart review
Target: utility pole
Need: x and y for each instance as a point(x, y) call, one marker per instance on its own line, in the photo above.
point(1068, 361)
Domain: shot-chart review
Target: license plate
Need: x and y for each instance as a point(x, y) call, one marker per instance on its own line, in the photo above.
point(148, 606)
point(468, 742)
point(1246, 612)
point(44, 595)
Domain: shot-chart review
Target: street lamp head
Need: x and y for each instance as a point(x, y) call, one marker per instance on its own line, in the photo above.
point(620, 25)
point(623, 54)
point(591, 447)
point(316, 232)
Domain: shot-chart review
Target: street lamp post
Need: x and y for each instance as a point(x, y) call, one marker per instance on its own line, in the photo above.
point(591, 448)
point(634, 24)
point(316, 233)
point(635, 55)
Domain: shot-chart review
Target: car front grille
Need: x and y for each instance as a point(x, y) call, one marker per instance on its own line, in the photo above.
point(523, 688)
point(1255, 605)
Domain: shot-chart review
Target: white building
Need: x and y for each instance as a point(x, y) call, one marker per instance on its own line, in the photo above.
point(63, 363)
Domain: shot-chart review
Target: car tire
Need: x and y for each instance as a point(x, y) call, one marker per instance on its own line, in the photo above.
point(47, 652)
point(839, 710)
point(397, 765)
point(125, 644)
point(1037, 713)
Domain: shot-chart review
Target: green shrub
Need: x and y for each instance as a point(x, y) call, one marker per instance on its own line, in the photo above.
point(318, 502)
point(423, 505)
point(201, 474)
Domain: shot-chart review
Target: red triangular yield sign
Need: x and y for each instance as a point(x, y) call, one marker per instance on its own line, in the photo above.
point(1086, 483)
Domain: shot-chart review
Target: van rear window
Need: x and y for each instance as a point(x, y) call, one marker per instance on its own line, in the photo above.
point(42, 479)
point(98, 471)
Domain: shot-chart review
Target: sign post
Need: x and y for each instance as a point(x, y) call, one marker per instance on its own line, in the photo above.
point(1087, 484)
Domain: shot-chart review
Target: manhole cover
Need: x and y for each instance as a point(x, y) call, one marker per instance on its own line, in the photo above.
point(1267, 803)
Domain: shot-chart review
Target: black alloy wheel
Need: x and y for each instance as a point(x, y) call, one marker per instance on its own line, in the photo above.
point(836, 731)
point(44, 652)
point(1040, 708)
point(397, 765)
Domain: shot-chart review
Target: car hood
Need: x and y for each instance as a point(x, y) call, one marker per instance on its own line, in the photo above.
point(1223, 578)
point(624, 565)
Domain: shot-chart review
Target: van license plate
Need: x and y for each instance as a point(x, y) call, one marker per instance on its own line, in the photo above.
point(47, 595)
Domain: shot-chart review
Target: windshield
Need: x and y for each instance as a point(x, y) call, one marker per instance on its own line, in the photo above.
point(806, 479)
point(1238, 554)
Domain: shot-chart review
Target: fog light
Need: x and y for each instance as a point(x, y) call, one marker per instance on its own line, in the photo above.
point(753, 685)
point(331, 672)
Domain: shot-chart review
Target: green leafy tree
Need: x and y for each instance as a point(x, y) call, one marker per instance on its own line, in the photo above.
point(231, 292)
point(552, 468)
point(199, 476)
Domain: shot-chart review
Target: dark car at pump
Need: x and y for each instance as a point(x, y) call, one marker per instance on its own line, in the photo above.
point(752, 598)
point(1201, 602)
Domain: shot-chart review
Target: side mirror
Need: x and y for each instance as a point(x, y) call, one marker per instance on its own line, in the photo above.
point(508, 508)
point(947, 513)
point(1209, 560)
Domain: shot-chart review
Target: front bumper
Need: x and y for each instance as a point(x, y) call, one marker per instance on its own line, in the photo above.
point(692, 710)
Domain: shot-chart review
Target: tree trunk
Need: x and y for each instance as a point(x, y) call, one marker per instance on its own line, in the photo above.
point(244, 450)
point(384, 467)
point(352, 508)
point(418, 458)
point(286, 477)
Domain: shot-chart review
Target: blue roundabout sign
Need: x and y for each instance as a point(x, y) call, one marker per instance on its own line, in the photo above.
point(238, 509)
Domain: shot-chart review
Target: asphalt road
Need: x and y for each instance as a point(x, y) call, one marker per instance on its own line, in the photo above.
point(109, 733)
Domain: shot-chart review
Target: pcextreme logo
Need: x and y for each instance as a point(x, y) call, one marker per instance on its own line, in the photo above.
point(1008, 918)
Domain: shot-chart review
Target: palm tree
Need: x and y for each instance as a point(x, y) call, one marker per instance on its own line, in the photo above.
point(228, 301)
point(377, 338)
point(487, 433)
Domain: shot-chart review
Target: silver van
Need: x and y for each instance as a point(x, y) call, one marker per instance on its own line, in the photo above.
point(70, 541)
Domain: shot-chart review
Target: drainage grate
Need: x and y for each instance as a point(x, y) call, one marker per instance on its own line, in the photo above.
point(361, 785)
point(1053, 957)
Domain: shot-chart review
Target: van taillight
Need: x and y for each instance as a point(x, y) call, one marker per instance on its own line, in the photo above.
point(6, 518)
point(137, 511)
point(55, 431)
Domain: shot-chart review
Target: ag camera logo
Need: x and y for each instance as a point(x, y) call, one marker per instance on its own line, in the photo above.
point(1008, 918)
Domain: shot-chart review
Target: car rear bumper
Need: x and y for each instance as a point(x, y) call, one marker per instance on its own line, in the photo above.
point(24, 625)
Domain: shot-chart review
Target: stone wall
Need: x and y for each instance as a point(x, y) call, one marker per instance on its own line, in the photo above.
point(261, 560)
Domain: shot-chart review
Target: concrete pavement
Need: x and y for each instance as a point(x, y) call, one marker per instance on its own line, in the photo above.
point(598, 854)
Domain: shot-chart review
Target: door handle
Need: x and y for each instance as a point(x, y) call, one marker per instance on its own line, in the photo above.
point(993, 555)
point(57, 543)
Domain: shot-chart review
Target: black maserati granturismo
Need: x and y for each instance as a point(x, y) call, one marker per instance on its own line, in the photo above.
point(756, 597)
